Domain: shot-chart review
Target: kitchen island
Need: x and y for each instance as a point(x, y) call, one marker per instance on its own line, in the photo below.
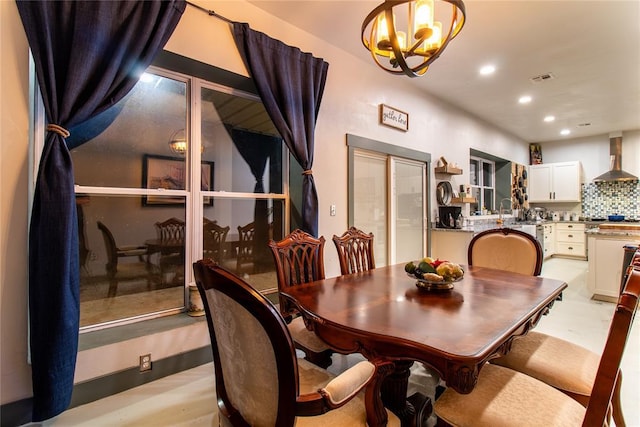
point(606, 253)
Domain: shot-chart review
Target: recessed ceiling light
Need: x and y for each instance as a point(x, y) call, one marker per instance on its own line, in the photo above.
point(565, 132)
point(549, 119)
point(487, 69)
point(524, 99)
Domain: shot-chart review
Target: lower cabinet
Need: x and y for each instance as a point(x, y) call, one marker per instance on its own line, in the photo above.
point(606, 255)
point(450, 245)
point(570, 240)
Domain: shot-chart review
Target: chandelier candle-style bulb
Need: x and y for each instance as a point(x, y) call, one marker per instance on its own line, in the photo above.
point(409, 44)
point(423, 20)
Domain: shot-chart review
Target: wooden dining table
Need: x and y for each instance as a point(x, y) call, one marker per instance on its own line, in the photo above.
point(382, 314)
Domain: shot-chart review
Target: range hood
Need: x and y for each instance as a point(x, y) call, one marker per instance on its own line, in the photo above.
point(615, 172)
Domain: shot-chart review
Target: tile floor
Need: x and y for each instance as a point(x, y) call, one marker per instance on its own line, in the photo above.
point(188, 398)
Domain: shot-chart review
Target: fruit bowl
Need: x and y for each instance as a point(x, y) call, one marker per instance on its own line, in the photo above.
point(429, 285)
point(434, 274)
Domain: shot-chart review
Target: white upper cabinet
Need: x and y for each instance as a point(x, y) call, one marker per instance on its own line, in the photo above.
point(554, 182)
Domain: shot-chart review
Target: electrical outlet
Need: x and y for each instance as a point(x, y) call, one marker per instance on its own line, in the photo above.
point(332, 210)
point(145, 362)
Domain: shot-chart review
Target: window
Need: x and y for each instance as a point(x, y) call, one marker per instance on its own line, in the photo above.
point(482, 177)
point(147, 210)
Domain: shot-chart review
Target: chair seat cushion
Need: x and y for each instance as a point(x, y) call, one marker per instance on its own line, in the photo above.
point(506, 398)
point(555, 361)
point(307, 338)
point(311, 379)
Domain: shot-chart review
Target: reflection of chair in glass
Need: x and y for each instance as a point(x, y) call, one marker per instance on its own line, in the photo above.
point(355, 251)
point(214, 240)
point(123, 271)
point(299, 259)
point(171, 246)
point(259, 380)
point(505, 397)
point(245, 246)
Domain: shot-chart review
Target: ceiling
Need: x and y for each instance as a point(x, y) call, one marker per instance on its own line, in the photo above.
point(591, 48)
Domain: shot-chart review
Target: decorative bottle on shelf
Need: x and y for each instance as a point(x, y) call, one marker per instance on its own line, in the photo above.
point(459, 221)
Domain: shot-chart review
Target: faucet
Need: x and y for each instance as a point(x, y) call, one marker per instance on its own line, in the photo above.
point(500, 221)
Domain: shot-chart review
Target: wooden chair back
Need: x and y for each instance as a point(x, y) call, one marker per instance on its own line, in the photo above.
point(506, 249)
point(245, 245)
point(171, 230)
point(299, 258)
point(609, 368)
point(355, 251)
point(214, 239)
point(254, 358)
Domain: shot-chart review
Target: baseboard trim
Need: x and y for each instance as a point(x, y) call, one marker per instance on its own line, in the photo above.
point(19, 413)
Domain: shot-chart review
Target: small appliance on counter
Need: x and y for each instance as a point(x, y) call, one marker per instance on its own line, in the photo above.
point(449, 217)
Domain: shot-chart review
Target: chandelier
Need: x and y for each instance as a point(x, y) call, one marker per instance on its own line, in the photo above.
point(178, 142)
point(411, 51)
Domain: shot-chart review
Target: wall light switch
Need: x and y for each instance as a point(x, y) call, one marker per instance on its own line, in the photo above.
point(332, 210)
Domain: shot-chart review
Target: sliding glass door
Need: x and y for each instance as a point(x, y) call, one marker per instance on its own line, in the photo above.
point(388, 198)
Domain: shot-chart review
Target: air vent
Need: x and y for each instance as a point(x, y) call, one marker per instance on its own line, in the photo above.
point(584, 124)
point(542, 78)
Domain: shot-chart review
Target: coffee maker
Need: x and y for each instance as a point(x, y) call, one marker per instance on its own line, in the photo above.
point(448, 217)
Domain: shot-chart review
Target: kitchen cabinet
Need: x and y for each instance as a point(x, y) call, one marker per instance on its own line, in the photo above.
point(606, 254)
point(450, 245)
point(570, 240)
point(549, 240)
point(554, 182)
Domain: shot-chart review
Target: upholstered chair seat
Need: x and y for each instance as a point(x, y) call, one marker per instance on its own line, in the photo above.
point(505, 397)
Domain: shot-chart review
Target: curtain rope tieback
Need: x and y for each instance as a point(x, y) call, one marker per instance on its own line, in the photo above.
point(307, 172)
point(59, 130)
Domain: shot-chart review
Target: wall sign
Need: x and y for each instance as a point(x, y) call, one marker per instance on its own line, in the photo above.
point(394, 118)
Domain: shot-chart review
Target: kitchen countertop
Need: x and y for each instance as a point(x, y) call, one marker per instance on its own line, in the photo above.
point(486, 225)
point(617, 229)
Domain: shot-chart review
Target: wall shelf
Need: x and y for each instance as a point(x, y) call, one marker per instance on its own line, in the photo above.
point(463, 200)
point(448, 170)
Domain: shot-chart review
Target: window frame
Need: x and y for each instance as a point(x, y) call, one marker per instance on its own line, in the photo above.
point(481, 187)
point(165, 65)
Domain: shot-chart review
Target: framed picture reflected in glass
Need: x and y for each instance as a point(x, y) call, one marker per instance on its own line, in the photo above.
point(170, 173)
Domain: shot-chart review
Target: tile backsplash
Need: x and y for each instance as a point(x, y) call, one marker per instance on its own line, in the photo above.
point(600, 199)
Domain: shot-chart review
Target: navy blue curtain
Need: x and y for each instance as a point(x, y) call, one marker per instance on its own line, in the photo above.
point(256, 149)
point(290, 83)
point(88, 55)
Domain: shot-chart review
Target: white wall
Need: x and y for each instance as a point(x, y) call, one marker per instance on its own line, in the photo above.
point(593, 153)
point(354, 90)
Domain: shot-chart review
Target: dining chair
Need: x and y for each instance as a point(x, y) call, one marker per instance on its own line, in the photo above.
point(116, 270)
point(505, 397)
point(299, 258)
point(245, 246)
point(355, 251)
point(506, 249)
point(260, 381)
point(171, 237)
point(214, 238)
point(546, 358)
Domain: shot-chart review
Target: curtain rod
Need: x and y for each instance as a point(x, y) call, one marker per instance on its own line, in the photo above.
point(211, 13)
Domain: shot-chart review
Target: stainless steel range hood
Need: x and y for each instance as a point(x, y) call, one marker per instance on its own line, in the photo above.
point(615, 172)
